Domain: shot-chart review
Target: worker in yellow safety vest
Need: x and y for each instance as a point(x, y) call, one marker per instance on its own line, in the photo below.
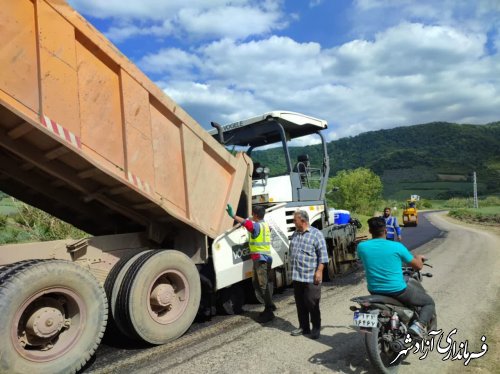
point(260, 253)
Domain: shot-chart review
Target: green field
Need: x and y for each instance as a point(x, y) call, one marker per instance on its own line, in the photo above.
point(489, 210)
point(399, 184)
point(487, 215)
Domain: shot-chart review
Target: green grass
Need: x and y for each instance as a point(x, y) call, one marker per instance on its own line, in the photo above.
point(20, 223)
point(489, 210)
point(7, 207)
point(486, 216)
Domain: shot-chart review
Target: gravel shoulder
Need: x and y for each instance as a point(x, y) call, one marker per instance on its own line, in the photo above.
point(465, 286)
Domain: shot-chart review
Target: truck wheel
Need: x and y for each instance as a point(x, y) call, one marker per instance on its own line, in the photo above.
point(53, 315)
point(159, 296)
point(112, 287)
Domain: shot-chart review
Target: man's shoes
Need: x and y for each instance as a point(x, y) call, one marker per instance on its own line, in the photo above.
point(300, 331)
point(273, 308)
point(315, 333)
point(418, 330)
point(265, 316)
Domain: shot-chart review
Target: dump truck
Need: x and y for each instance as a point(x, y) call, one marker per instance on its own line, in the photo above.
point(410, 213)
point(86, 137)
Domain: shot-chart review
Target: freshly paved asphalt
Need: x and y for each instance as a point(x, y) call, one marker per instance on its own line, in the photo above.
point(414, 237)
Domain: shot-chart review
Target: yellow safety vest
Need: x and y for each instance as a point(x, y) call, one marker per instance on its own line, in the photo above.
point(262, 243)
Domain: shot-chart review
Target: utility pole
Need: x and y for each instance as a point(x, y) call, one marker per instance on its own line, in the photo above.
point(476, 204)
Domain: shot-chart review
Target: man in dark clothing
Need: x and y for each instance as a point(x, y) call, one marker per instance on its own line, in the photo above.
point(260, 253)
point(308, 255)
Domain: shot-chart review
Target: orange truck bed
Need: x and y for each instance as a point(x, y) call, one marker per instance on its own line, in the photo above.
point(87, 137)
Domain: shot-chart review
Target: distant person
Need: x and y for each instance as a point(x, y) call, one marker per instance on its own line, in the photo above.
point(260, 253)
point(383, 261)
point(392, 225)
point(307, 256)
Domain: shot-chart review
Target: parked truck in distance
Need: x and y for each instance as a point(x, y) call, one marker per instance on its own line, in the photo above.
point(88, 138)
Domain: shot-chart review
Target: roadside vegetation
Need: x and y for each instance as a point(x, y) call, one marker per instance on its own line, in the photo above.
point(433, 160)
point(488, 212)
point(21, 223)
point(485, 216)
point(360, 192)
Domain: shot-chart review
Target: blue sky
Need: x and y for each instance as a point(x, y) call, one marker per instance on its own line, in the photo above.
point(362, 65)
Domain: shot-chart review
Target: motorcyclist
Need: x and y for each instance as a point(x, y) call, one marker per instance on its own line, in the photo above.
point(383, 261)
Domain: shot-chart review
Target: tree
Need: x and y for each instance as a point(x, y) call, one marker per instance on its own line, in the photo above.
point(359, 190)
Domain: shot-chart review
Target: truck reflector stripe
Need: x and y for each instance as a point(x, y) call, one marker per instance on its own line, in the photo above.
point(75, 141)
point(136, 181)
point(61, 132)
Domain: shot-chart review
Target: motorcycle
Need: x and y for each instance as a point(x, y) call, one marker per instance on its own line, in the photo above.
point(385, 322)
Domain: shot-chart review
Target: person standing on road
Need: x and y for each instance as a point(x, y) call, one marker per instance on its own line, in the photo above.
point(383, 261)
point(260, 253)
point(307, 255)
point(392, 225)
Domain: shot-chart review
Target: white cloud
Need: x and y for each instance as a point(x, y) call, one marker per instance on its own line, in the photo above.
point(229, 21)
point(408, 74)
point(406, 62)
point(143, 9)
point(173, 62)
point(198, 19)
point(314, 3)
point(476, 16)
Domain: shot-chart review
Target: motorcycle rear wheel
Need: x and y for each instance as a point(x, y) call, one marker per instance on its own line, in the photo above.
point(379, 353)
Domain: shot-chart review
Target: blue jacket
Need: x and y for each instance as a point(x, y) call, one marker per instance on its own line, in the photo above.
point(392, 226)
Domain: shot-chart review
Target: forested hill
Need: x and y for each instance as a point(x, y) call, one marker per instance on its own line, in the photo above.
point(435, 159)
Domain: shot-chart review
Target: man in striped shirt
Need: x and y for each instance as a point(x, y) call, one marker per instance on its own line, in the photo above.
point(308, 255)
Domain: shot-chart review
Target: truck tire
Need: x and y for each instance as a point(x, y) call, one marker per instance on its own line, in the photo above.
point(112, 286)
point(159, 296)
point(53, 314)
point(6, 270)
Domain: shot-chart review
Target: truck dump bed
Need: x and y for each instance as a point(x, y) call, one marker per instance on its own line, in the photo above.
point(87, 137)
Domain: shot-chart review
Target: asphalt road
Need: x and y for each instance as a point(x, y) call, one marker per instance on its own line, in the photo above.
point(117, 349)
point(414, 237)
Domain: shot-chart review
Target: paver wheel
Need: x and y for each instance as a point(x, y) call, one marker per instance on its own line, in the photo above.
point(159, 296)
point(53, 314)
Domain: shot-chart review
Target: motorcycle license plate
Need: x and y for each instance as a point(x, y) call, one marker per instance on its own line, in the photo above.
point(365, 319)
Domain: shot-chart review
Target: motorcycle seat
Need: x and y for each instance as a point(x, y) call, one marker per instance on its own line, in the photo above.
point(381, 299)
